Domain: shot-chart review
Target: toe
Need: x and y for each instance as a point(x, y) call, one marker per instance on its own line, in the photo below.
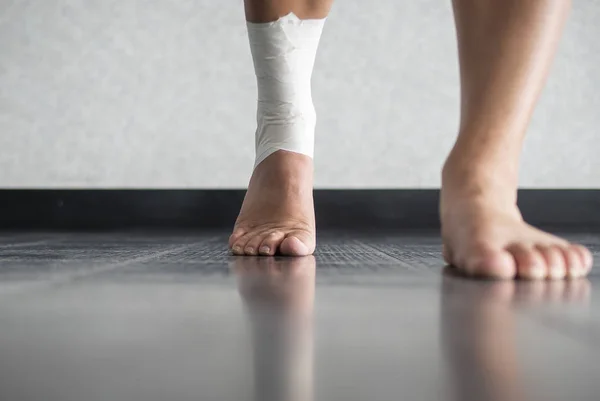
point(490, 263)
point(530, 263)
point(297, 243)
point(253, 244)
point(554, 261)
point(240, 244)
point(586, 257)
point(237, 234)
point(574, 263)
point(270, 243)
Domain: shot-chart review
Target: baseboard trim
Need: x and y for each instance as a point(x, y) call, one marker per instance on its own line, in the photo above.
point(54, 209)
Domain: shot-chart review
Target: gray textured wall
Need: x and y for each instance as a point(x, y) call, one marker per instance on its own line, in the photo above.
point(160, 93)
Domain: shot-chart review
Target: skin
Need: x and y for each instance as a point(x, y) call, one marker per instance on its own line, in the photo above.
point(505, 51)
point(259, 11)
point(278, 296)
point(278, 214)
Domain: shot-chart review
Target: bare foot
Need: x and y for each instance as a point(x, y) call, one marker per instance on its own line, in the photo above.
point(484, 234)
point(277, 215)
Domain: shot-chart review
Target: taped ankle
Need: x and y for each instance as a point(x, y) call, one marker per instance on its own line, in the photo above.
point(284, 54)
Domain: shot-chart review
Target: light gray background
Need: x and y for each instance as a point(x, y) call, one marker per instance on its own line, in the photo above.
point(161, 93)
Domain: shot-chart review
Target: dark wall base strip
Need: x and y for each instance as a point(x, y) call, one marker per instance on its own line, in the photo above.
point(215, 209)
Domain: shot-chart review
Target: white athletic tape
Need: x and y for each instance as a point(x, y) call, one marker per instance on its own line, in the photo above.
point(284, 54)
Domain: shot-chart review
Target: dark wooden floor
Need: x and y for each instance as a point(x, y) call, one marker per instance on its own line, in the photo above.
point(172, 316)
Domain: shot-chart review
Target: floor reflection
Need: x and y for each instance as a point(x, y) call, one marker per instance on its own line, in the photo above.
point(278, 295)
point(478, 321)
point(478, 332)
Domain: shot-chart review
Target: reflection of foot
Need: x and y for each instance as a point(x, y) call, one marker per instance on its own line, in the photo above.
point(480, 349)
point(278, 213)
point(279, 295)
point(484, 234)
point(503, 294)
point(563, 292)
point(478, 322)
point(277, 284)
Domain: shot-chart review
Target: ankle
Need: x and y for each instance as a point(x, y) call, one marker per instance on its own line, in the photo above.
point(284, 172)
point(476, 177)
point(286, 164)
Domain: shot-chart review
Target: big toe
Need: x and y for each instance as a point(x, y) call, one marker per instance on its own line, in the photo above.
point(489, 263)
point(297, 243)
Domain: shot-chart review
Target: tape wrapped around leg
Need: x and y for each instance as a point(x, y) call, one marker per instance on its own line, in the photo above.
point(284, 54)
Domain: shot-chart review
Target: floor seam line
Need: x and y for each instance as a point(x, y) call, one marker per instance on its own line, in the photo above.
point(67, 278)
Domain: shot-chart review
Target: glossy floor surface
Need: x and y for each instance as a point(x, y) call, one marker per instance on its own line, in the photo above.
point(133, 316)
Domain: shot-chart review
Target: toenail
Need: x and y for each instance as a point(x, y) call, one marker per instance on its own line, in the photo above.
point(265, 249)
point(556, 272)
point(538, 271)
point(237, 249)
point(250, 250)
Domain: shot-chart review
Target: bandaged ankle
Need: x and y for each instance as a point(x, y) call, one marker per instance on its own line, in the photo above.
point(284, 54)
